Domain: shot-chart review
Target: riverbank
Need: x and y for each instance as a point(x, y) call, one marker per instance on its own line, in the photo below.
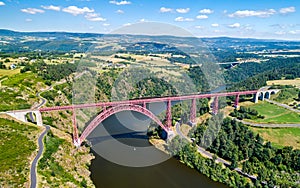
point(159, 144)
point(183, 149)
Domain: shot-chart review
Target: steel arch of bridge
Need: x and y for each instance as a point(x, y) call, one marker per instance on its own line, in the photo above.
point(113, 110)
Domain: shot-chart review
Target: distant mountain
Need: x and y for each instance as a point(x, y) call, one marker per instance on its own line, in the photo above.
point(5, 32)
point(14, 41)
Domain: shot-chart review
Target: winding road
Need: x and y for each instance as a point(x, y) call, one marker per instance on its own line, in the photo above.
point(267, 125)
point(200, 149)
point(283, 105)
point(43, 100)
point(33, 170)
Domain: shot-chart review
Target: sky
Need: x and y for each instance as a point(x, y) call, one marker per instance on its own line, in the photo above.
point(271, 19)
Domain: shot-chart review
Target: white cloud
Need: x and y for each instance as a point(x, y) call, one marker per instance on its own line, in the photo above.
point(294, 32)
point(127, 24)
point(202, 17)
point(28, 20)
point(183, 10)
point(182, 19)
point(32, 10)
point(206, 11)
point(106, 24)
point(247, 27)
point(284, 26)
point(97, 19)
point(280, 32)
point(120, 2)
point(215, 25)
point(235, 25)
point(250, 13)
point(281, 26)
point(287, 10)
point(94, 17)
point(164, 9)
point(76, 10)
point(199, 27)
point(120, 11)
point(51, 7)
point(2, 3)
point(142, 20)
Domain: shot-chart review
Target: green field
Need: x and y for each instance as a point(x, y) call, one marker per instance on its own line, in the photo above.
point(274, 114)
point(19, 91)
point(280, 137)
point(17, 145)
point(24, 79)
point(7, 72)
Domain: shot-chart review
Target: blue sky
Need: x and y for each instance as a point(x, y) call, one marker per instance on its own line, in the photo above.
point(277, 19)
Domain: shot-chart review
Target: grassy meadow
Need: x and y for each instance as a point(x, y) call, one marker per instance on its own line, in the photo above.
point(280, 137)
point(275, 114)
point(18, 145)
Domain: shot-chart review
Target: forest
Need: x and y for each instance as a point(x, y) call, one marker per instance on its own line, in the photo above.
point(248, 76)
point(51, 72)
point(236, 143)
point(246, 70)
point(247, 113)
point(187, 154)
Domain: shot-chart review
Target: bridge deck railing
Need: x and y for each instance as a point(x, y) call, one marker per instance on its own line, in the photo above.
point(149, 100)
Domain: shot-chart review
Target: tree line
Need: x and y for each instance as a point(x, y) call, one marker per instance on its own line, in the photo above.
point(187, 154)
point(246, 113)
point(51, 72)
point(242, 147)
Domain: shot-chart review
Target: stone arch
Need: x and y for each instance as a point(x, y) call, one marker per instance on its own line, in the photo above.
point(30, 117)
point(267, 95)
point(261, 95)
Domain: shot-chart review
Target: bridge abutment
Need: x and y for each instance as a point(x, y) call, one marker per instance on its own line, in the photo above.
point(77, 142)
point(256, 98)
point(21, 116)
point(38, 116)
point(170, 135)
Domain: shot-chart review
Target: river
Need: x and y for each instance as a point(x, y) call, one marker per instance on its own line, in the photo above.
point(107, 172)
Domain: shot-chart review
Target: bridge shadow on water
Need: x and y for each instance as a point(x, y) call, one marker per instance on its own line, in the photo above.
point(134, 135)
point(127, 127)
